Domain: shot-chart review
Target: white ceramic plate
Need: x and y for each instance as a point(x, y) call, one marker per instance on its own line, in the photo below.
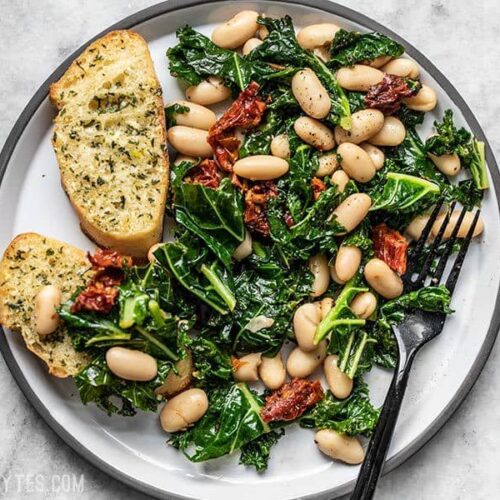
point(134, 450)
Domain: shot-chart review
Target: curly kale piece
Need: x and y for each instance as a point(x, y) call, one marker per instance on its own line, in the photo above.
point(257, 453)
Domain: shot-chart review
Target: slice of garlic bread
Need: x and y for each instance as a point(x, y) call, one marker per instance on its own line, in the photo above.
point(110, 143)
point(30, 262)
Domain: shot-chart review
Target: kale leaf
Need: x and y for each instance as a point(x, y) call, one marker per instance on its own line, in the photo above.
point(256, 453)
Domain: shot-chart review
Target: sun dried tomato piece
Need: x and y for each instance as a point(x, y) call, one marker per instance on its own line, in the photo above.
point(288, 219)
point(97, 297)
point(205, 173)
point(256, 198)
point(104, 258)
point(387, 95)
point(245, 112)
point(291, 400)
point(391, 247)
point(318, 186)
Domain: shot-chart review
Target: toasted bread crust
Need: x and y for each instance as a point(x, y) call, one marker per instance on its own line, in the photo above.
point(137, 224)
point(30, 262)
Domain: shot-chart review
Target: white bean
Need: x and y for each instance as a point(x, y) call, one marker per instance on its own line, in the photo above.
point(406, 68)
point(340, 179)
point(261, 167)
point(210, 91)
point(272, 372)
point(359, 77)
point(393, 133)
point(326, 306)
point(280, 146)
point(46, 317)
point(235, 32)
point(364, 305)
point(197, 116)
point(365, 124)
point(449, 164)
point(244, 249)
point(379, 61)
point(305, 321)
point(190, 141)
point(352, 210)
point(425, 100)
point(247, 367)
point(310, 94)
point(464, 226)
point(333, 275)
point(177, 382)
point(316, 35)
point(356, 162)
point(327, 165)
point(250, 44)
point(314, 133)
point(338, 382)
point(347, 262)
point(322, 52)
point(416, 226)
point(183, 410)
point(340, 446)
point(130, 364)
point(383, 279)
point(182, 158)
point(301, 364)
point(377, 155)
point(318, 265)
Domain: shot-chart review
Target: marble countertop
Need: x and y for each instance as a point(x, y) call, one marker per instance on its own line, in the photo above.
point(461, 462)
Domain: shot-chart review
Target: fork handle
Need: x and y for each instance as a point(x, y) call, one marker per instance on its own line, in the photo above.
point(379, 444)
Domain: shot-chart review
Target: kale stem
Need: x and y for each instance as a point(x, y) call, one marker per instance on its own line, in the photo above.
point(100, 338)
point(357, 356)
point(154, 309)
point(151, 338)
point(347, 351)
point(219, 286)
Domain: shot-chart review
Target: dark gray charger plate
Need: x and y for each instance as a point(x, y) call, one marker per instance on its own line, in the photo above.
point(333, 8)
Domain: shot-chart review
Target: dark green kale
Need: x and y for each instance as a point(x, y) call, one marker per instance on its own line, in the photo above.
point(351, 47)
point(352, 416)
point(256, 453)
point(172, 111)
point(212, 364)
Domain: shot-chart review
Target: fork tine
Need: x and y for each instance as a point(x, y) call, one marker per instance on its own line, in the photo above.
point(438, 273)
point(457, 266)
point(415, 256)
point(432, 251)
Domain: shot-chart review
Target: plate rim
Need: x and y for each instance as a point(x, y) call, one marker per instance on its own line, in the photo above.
point(331, 7)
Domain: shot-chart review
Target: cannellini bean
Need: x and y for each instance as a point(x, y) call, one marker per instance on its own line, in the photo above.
point(318, 265)
point(353, 210)
point(151, 252)
point(425, 100)
point(340, 179)
point(340, 446)
point(280, 146)
point(327, 165)
point(262, 31)
point(130, 364)
point(406, 68)
point(326, 305)
point(244, 249)
point(379, 61)
point(416, 226)
point(46, 317)
point(301, 364)
point(305, 320)
point(314, 133)
point(235, 32)
point(377, 155)
point(183, 410)
point(272, 372)
point(316, 35)
point(383, 279)
point(310, 94)
point(190, 141)
point(449, 164)
point(347, 262)
point(359, 77)
point(322, 52)
point(364, 305)
point(197, 116)
point(393, 133)
point(182, 158)
point(177, 382)
point(247, 367)
point(338, 382)
point(210, 91)
point(261, 167)
point(250, 44)
point(356, 162)
point(464, 226)
point(365, 124)
point(333, 275)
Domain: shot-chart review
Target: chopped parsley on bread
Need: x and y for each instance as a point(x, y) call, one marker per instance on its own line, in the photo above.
point(110, 143)
point(31, 262)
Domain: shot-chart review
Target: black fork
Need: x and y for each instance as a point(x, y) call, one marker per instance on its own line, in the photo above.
point(411, 334)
